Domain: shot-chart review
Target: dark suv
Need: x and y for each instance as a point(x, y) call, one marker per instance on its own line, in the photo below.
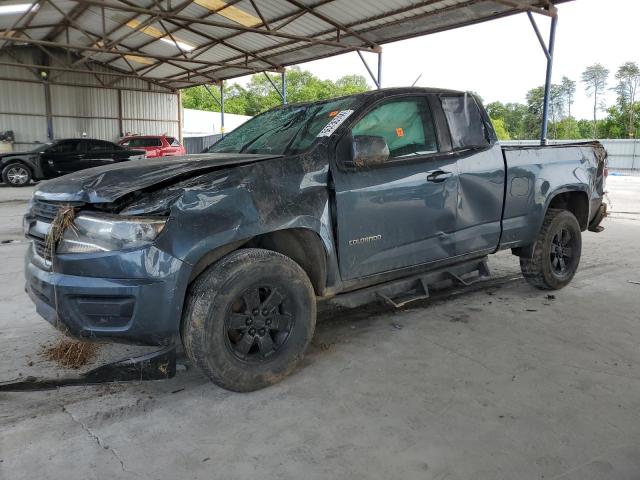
point(61, 157)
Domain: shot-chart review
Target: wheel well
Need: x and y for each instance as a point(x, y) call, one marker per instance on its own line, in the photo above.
point(17, 160)
point(575, 202)
point(301, 245)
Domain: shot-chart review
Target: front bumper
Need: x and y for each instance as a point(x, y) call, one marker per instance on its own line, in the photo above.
point(137, 298)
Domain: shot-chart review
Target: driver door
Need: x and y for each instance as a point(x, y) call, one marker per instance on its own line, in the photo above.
point(401, 213)
point(63, 157)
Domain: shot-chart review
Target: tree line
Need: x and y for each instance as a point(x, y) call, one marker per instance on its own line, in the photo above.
point(259, 95)
point(517, 121)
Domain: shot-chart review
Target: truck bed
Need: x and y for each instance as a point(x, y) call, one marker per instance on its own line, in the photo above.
point(536, 174)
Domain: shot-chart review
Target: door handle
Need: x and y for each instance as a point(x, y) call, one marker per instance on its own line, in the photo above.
point(438, 176)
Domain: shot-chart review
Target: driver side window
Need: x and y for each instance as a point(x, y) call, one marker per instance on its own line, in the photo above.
point(406, 125)
point(65, 147)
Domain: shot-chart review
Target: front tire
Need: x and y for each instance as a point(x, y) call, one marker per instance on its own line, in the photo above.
point(556, 252)
point(248, 319)
point(16, 175)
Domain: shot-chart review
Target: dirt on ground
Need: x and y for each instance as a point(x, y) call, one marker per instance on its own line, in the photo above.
point(69, 353)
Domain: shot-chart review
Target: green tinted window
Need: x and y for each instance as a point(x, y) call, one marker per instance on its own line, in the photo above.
point(406, 125)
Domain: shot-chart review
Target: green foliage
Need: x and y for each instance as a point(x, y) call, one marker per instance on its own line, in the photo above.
point(567, 129)
point(595, 79)
point(585, 127)
point(568, 89)
point(514, 121)
point(499, 127)
point(512, 116)
point(259, 95)
point(628, 77)
point(622, 121)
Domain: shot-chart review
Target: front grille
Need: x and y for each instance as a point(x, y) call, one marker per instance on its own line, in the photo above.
point(44, 211)
point(41, 249)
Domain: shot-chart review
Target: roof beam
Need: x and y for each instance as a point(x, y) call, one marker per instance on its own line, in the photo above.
point(28, 15)
point(264, 51)
point(336, 24)
point(122, 53)
point(264, 21)
point(118, 41)
point(72, 15)
point(294, 16)
point(227, 26)
point(93, 38)
point(548, 10)
point(202, 48)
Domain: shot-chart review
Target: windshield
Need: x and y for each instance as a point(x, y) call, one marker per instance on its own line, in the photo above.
point(284, 130)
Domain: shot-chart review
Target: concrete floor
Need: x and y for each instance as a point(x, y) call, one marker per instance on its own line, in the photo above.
point(498, 383)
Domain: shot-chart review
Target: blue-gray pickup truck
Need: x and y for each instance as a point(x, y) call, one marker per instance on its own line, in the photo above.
point(375, 195)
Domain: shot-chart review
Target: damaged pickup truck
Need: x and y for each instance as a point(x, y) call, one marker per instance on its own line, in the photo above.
point(376, 195)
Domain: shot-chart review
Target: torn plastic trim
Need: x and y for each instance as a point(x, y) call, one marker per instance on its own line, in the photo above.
point(158, 365)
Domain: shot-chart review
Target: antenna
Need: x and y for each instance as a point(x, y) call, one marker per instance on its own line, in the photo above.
point(416, 80)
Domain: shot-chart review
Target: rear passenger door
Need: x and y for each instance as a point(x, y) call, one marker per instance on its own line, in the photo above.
point(98, 153)
point(481, 174)
point(64, 157)
point(401, 213)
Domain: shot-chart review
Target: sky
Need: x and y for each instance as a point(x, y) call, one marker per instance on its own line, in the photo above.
point(502, 59)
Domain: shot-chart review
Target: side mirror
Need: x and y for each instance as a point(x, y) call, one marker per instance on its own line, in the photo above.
point(363, 151)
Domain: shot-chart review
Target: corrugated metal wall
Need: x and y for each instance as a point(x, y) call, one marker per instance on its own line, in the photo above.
point(80, 104)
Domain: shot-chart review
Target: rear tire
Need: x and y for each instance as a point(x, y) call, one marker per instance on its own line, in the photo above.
point(248, 319)
point(16, 174)
point(556, 252)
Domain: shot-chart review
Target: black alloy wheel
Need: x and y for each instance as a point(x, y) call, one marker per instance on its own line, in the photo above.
point(556, 251)
point(249, 318)
point(561, 254)
point(258, 323)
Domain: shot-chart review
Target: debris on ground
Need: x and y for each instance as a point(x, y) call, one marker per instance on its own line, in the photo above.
point(551, 297)
point(634, 282)
point(71, 353)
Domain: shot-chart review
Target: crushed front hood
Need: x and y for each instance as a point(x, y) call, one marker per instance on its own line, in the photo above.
point(111, 182)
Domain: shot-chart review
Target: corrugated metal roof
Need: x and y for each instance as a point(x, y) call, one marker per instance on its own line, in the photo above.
point(180, 43)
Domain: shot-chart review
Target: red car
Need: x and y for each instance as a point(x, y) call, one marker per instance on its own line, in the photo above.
point(154, 145)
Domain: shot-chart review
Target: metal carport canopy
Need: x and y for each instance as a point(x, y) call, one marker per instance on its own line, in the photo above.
point(183, 43)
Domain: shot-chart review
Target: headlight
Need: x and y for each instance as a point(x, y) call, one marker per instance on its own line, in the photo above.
point(105, 233)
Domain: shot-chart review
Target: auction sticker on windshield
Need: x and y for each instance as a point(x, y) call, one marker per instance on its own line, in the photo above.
point(337, 120)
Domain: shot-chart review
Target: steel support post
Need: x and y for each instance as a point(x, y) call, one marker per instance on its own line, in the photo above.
point(222, 107)
point(379, 69)
point(547, 85)
point(284, 88)
point(48, 110)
